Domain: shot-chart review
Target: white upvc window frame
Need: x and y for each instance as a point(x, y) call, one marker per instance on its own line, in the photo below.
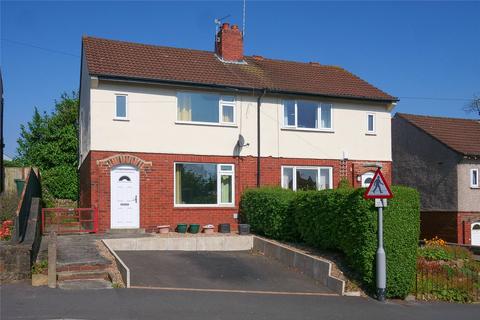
point(220, 172)
point(221, 102)
point(374, 116)
point(474, 172)
point(319, 116)
point(116, 117)
point(318, 168)
point(226, 103)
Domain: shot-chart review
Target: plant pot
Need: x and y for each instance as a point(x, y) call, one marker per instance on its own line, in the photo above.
point(163, 229)
point(243, 229)
point(182, 227)
point(224, 228)
point(208, 229)
point(194, 228)
point(39, 279)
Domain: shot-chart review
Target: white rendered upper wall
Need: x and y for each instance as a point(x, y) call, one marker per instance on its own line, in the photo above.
point(152, 127)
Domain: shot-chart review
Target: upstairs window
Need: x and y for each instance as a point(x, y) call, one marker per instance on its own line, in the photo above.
point(205, 108)
point(307, 115)
point(474, 178)
point(120, 107)
point(371, 123)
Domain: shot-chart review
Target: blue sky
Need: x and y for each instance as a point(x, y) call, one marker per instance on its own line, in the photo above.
point(411, 50)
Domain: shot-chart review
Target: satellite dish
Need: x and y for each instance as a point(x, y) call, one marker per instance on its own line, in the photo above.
point(241, 141)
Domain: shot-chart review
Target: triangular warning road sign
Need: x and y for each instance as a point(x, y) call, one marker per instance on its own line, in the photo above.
point(378, 188)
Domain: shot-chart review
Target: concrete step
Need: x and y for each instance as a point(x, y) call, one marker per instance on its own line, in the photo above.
point(85, 284)
point(83, 275)
point(72, 267)
point(126, 231)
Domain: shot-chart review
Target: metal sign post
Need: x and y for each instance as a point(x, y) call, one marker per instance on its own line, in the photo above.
point(381, 261)
point(380, 191)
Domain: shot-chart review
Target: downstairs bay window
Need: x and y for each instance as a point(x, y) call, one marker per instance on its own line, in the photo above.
point(307, 178)
point(204, 184)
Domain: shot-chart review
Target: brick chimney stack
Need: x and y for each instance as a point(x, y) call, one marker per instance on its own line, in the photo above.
point(229, 43)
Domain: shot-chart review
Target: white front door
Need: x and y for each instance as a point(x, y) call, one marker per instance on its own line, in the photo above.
point(476, 234)
point(124, 197)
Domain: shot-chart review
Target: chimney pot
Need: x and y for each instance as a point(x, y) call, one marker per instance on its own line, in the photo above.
point(234, 27)
point(225, 26)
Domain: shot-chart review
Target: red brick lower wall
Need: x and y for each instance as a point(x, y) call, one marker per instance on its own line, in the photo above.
point(157, 183)
point(450, 226)
point(439, 224)
point(85, 200)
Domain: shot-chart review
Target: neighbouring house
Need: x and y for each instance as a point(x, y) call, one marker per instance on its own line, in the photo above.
point(170, 135)
point(441, 158)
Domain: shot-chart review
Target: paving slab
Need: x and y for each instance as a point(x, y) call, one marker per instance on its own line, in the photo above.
point(223, 270)
point(85, 284)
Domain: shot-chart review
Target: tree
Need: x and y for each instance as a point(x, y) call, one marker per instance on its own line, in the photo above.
point(473, 106)
point(50, 142)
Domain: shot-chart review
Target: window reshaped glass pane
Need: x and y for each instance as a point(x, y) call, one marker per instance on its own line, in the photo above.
point(289, 113)
point(199, 107)
point(324, 179)
point(326, 113)
point(307, 179)
point(226, 189)
point(226, 167)
point(288, 178)
point(121, 107)
point(307, 115)
point(227, 113)
point(370, 122)
point(196, 183)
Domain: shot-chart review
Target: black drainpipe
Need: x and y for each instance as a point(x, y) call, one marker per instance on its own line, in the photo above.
point(259, 103)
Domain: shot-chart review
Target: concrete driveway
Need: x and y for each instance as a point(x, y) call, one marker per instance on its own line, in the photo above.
point(216, 271)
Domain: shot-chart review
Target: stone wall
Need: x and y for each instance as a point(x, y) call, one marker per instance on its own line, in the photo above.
point(15, 262)
point(16, 259)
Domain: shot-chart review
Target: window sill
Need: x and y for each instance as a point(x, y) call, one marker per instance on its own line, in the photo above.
point(474, 187)
point(121, 119)
point(371, 134)
point(208, 124)
point(204, 207)
point(308, 130)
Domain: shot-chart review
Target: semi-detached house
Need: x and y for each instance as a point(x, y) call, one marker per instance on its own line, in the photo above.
point(171, 135)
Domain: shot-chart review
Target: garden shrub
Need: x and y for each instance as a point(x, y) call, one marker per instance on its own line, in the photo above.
point(267, 211)
point(343, 220)
point(8, 205)
point(61, 181)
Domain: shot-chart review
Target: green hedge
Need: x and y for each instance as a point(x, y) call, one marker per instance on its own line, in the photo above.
point(343, 220)
point(268, 213)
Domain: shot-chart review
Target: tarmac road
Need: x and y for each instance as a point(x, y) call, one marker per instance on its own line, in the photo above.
point(21, 301)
